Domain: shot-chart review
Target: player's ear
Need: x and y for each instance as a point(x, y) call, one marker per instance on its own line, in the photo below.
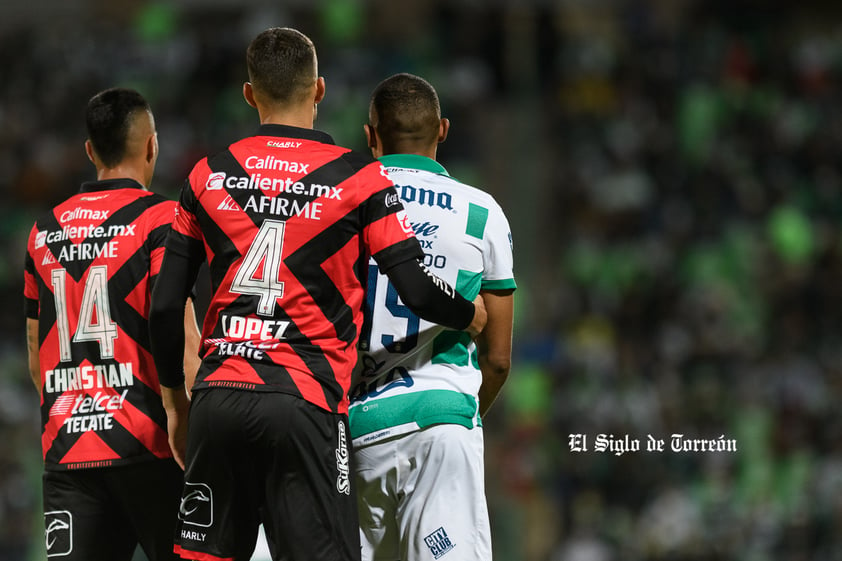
point(374, 142)
point(320, 90)
point(89, 150)
point(152, 148)
point(248, 94)
point(444, 127)
point(370, 138)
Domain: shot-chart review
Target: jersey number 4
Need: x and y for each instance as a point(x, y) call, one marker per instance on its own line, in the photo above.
point(94, 323)
point(258, 273)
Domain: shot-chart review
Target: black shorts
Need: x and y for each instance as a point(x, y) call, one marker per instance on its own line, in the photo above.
point(266, 457)
point(103, 514)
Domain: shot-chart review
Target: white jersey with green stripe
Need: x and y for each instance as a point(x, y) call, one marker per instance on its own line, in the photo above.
point(411, 373)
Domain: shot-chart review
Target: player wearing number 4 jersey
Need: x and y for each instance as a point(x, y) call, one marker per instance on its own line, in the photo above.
point(287, 221)
point(420, 388)
point(110, 480)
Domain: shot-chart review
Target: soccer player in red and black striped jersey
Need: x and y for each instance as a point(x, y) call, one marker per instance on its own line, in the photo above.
point(287, 221)
point(110, 480)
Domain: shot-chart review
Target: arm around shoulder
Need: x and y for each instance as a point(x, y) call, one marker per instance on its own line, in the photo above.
point(431, 298)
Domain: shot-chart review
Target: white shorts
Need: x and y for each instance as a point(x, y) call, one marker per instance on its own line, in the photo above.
point(421, 497)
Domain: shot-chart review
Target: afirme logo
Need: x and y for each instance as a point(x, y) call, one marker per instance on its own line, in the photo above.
point(229, 204)
point(58, 533)
point(196, 506)
point(439, 543)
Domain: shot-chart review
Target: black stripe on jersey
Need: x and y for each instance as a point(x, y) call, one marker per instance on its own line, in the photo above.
point(278, 375)
point(328, 297)
point(157, 238)
point(376, 207)
point(149, 397)
point(357, 160)
point(125, 280)
point(46, 314)
point(224, 254)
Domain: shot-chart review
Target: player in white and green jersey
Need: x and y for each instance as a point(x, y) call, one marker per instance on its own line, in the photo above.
point(420, 388)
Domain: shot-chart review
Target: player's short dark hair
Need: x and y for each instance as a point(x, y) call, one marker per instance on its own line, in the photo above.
point(282, 64)
point(108, 118)
point(405, 109)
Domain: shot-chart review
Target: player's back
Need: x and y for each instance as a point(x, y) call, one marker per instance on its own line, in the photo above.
point(287, 219)
point(408, 364)
point(88, 270)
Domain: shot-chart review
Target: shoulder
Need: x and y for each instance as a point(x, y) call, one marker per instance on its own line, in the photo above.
point(447, 183)
point(155, 199)
point(357, 160)
point(157, 210)
point(479, 197)
point(155, 202)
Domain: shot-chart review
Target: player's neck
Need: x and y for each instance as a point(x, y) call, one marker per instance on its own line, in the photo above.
point(429, 152)
point(122, 172)
point(302, 117)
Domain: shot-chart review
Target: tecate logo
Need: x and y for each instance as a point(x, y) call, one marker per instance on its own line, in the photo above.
point(215, 181)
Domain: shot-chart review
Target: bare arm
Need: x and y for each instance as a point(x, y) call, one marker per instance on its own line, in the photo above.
point(177, 406)
point(192, 342)
point(495, 345)
point(32, 351)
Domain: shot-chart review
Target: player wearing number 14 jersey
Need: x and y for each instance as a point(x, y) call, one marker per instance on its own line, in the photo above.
point(287, 221)
point(110, 481)
point(421, 388)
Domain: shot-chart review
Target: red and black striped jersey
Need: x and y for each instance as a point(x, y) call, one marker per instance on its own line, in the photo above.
point(89, 267)
point(287, 220)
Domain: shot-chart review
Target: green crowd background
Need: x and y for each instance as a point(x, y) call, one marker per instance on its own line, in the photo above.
point(671, 173)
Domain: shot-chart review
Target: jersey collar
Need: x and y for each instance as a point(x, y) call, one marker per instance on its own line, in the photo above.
point(413, 161)
point(110, 185)
point(286, 131)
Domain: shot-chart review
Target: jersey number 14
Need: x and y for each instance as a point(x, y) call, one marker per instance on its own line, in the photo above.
point(94, 323)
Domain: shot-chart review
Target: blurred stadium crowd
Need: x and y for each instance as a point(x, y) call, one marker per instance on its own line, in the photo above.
point(671, 176)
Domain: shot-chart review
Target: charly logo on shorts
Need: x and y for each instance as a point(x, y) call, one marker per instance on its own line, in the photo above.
point(196, 506)
point(58, 533)
point(439, 543)
point(343, 482)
